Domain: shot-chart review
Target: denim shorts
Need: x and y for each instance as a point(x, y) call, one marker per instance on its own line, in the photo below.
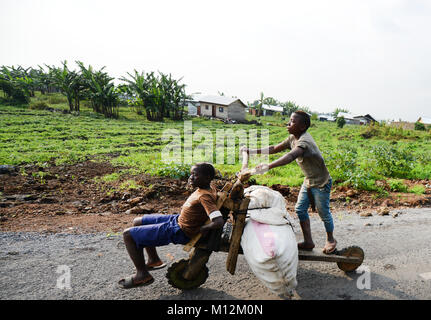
point(158, 230)
point(321, 198)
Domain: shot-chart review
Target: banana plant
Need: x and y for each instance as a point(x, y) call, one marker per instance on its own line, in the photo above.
point(101, 91)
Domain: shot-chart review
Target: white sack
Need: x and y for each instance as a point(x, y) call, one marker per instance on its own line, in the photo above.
point(267, 205)
point(268, 241)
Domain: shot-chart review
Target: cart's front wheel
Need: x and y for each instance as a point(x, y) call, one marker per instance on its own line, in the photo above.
point(176, 279)
point(353, 251)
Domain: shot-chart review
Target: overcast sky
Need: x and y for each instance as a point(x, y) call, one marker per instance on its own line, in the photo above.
point(366, 56)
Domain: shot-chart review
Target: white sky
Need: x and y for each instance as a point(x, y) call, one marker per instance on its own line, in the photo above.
point(367, 56)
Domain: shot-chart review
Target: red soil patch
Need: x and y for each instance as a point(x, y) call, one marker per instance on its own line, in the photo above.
point(68, 199)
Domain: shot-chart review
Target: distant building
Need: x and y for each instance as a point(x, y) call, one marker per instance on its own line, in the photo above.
point(365, 119)
point(325, 117)
point(350, 119)
point(267, 110)
point(217, 107)
point(358, 119)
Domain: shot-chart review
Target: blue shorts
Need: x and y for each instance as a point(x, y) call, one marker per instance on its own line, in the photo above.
point(158, 230)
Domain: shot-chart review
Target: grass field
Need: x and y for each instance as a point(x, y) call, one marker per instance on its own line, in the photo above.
point(355, 155)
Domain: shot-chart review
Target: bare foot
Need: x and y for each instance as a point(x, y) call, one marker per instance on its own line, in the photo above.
point(308, 246)
point(330, 247)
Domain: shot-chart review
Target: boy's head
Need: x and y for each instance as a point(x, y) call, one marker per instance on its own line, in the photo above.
point(201, 175)
point(299, 122)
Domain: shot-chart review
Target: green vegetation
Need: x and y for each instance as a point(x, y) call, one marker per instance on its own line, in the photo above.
point(397, 185)
point(355, 155)
point(340, 122)
point(160, 96)
point(417, 189)
point(419, 126)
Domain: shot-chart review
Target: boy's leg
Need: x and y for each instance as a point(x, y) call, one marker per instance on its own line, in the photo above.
point(322, 198)
point(301, 209)
point(137, 255)
point(153, 257)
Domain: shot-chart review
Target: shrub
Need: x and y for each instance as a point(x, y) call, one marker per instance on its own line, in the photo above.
point(57, 99)
point(342, 162)
point(341, 122)
point(14, 94)
point(397, 185)
point(392, 162)
point(370, 131)
point(417, 189)
point(171, 170)
point(419, 126)
point(39, 106)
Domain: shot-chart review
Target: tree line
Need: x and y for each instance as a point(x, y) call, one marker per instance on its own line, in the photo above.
point(158, 95)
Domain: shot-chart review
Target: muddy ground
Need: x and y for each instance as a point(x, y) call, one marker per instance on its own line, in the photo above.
point(71, 198)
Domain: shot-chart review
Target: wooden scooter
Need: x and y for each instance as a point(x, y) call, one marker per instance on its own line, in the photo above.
point(190, 273)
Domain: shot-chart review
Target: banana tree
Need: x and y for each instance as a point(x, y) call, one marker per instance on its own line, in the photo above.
point(101, 91)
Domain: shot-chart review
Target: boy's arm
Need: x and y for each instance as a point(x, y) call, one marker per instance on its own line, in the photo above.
point(268, 150)
point(213, 213)
point(287, 158)
point(215, 223)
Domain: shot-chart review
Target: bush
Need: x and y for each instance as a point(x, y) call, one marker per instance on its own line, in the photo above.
point(370, 131)
point(341, 122)
point(397, 185)
point(39, 106)
point(14, 94)
point(392, 162)
point(342, 162)
point(171, 170)
point(57, 99)
point(419, 126)
point(417, 189)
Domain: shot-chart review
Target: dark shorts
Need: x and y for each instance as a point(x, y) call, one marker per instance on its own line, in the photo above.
point(158, 230)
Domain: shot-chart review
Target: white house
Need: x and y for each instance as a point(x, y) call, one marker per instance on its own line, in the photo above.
point(269, 110)
point(350, 119)
point(359, 119)
point(217, 106)
point(325, 117)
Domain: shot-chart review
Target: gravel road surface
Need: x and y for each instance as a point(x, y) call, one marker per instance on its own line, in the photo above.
point(397, 265)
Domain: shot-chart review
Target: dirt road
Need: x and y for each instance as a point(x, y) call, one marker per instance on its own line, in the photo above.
point(397, 265)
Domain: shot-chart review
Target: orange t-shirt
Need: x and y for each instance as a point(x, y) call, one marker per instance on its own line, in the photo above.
point(196, 209)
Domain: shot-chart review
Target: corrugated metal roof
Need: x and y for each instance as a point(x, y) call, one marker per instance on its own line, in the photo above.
point(222, 100)
point(345, 115)
point(272, 108)
point(328, 117)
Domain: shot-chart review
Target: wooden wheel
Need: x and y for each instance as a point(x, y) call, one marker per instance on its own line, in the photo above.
point(176, 279)
point(353, 251)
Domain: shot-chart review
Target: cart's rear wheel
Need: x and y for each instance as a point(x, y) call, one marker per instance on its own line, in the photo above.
point(353, 251)
point(176, 279)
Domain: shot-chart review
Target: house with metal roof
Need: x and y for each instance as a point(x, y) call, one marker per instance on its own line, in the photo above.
point(267, 110)
point(358, 119)
point(222, 107)
point(325, 117)
point(350, 119)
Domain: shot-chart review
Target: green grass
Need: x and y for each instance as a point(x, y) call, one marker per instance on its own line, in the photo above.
point(417, 189)
point(355, 155)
